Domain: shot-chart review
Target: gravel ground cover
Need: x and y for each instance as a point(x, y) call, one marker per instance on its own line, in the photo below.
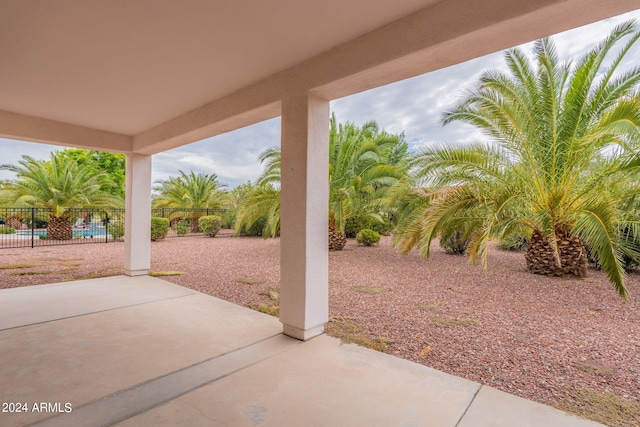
point(546, 339)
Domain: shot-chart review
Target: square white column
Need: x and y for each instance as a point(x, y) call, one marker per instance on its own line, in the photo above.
point(137, 222)
point(304, 204)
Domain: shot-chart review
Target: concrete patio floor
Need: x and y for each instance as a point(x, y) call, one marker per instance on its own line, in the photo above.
point(144, 352)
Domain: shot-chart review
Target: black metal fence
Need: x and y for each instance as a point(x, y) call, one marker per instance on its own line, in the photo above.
point(32, 227)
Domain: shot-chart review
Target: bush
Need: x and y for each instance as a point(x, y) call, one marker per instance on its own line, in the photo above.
point(210, 225)
point(116, 230)
point(368, 237)
point(7, 230)
point(354, 224)
point(455, 242)
point(255, 229)
point(159, 228)
point(229, 218)
point(182, 227)
point(384, 228)
point(514, 242)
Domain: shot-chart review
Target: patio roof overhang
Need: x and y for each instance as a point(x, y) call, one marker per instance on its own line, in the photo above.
point(145, 76)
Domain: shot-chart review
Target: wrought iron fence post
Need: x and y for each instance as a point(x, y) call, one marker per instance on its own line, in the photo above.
point(33, 225)
point(106, 226)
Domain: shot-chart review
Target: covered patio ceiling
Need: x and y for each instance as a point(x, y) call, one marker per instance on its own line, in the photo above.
point(145, 76)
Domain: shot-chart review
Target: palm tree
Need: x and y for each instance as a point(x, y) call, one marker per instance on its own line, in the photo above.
point(363, 163)
point(557, 136)
point(361, 169)
point(190, 191)
point(60, 185)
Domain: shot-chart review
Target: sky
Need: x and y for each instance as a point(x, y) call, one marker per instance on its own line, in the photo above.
point(413, 106)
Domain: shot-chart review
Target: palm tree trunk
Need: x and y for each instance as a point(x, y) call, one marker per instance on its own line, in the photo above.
point(542, 259)
point(59, 228)
point(337, 239)
point(14, 222)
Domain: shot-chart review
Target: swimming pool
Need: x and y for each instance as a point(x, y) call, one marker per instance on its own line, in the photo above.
point(90, 232)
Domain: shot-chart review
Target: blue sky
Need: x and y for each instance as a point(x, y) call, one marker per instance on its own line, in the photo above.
point(413, 106)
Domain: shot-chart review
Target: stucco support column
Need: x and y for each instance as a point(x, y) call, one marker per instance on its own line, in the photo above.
point(137, 222)
point(304, 204)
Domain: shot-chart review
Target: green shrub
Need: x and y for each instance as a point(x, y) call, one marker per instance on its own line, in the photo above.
point(354, 224)
point(210, 225)
point(255, 229)
point(384, 228)
point(182, 227)
point(229, 218)
point(7, 230)
point(368, 237)
point(455, 242)
point(514, 242)
point(159, 228)
point(116, 230)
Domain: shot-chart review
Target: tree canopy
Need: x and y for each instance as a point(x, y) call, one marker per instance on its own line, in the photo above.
point(363, 162)
point(98, 161)
point(192, 190)
point(561, 152)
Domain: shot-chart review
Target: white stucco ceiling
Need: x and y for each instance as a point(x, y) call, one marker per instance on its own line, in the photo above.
point(125, 66)
point(149, 75)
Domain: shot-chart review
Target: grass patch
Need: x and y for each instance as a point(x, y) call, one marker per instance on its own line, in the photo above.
point(15, 266)
point(32, 273)
point(70, 264)
point(595, 368)
point(450, 322)
point(250, 281)
point(429, 307)
point(603, 407)
point(268, 308)
point(272, 307)
point(348, 331)
point(88, 276)
point(369, 289)
point(166, 273)
point(425, 352)
point(273, 294)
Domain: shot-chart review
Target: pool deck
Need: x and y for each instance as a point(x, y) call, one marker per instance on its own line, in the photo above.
point(145, 352)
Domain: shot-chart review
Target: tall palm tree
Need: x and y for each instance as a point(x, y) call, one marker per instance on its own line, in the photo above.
point(361, 168)
point(190, 191)
point(557, 136)
point(60, 185)
point(363, 162)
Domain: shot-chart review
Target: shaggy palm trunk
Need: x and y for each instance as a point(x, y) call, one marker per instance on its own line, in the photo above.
point(337, 239)
point(541, 257)
point(195, 226)
point(14, 222)
point(59, 228)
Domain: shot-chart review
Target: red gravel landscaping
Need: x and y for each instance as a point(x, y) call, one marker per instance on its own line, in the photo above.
point(543, 338)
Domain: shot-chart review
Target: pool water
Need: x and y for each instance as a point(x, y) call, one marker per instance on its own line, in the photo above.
point(93, 231)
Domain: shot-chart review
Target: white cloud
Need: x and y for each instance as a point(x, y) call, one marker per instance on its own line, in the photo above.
point(413, 106)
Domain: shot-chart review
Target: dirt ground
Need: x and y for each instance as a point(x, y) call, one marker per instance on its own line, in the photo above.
point(570, 343)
